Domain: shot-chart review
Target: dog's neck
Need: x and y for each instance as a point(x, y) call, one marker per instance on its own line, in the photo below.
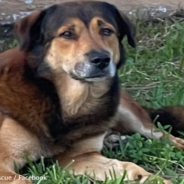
point(84, 105)
point(79, 98)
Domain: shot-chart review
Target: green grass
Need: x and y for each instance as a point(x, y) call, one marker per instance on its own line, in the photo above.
point(153, 75)
point(154, 70)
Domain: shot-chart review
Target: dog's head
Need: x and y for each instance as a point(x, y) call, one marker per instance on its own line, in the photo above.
point(80, 39)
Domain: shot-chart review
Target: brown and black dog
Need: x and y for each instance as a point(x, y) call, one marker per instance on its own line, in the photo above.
point(59, 91)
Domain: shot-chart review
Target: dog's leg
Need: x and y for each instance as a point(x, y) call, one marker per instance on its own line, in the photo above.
point(15, 144)
point(87, 160)
point(133, 118)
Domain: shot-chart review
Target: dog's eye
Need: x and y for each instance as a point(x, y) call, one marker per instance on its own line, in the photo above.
point(106, 32)
point(67, 35)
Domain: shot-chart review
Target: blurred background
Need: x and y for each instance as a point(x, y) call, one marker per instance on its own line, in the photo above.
point(146, 10)
point(11, 10)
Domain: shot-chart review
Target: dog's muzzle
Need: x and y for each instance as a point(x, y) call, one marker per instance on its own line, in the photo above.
point(98, 67)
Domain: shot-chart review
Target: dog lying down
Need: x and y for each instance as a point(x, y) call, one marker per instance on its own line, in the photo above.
point(60, 94)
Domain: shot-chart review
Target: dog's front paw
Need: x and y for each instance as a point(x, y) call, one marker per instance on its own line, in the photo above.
point(178, 142)
point(137, 173)
point(100, 168)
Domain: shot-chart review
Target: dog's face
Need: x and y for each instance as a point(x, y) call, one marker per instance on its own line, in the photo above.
point(80, 39)
point(86, 52)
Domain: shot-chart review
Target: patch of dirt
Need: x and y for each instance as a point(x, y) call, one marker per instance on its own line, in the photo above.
point(11, 10)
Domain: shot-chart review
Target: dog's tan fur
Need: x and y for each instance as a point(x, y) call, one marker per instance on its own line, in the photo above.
point(25, 108)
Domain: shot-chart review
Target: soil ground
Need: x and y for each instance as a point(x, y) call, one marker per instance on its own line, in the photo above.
point(10, 7)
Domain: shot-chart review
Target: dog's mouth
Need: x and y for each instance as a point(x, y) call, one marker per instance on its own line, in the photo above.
point(90, 73)
point(95, 78)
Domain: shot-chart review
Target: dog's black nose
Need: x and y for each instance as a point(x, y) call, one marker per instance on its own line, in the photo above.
point(99, 59)
point(101, 62)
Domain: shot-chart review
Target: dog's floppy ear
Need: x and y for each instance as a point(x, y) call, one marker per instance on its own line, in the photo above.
point(28, 30)
point(127, 28)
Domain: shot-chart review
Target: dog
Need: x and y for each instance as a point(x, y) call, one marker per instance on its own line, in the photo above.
point(60, 94)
